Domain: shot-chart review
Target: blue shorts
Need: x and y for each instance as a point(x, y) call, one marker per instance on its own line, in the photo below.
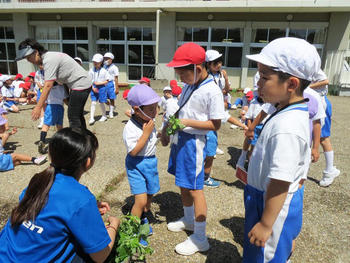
point(38, 94)
point(186, 160)
point(212, 143)
point(53, 115)
point(257, 132)
point(326, 128)
point(6, 162)
point(285, 229)
point(142, 174)
point(110, 90)
point(101, 96)
point(9, 103)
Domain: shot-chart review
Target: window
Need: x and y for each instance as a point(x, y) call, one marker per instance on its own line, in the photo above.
point(7, 51)
point(262, 36)
point(133, 46)
point(70, 40)
point(228, 41)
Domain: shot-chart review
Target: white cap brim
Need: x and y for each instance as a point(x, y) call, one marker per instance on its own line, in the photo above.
point(260, 58)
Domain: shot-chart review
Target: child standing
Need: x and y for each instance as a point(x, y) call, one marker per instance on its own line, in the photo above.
point(274, 196)
point(100, 77)
point(54, 113)
point(164, 98)
point(201, 108)
point(140, 139)
point(320, 84)
point(8, 161)
point(112, 86)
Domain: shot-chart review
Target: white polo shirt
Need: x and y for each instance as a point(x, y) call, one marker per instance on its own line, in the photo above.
point(99, 75)
point(162, 102)
point(57, 95)
point(17, 90)
point(132, 133)
point(39, 77)
point(171, 107)
point(206, 103)
point(282, 151)
point(254, 109)
point(112, 70)
point(8, 92)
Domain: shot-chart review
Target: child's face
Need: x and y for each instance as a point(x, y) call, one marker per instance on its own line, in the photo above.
point(187, 76)
point(8, 82)
point(97, 64)
point(167, 94)
point(149, 111)
point(215, 66)
point(271, 89)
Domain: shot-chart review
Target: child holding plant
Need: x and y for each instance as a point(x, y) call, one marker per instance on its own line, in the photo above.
point(140, 139)
point(201, 108)
point(58, 219)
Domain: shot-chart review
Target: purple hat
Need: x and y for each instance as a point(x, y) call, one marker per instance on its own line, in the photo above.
point(142, 95)
point(2, 121)
point(3, 111)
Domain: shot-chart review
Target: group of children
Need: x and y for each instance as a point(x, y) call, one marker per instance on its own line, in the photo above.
point(281, 121)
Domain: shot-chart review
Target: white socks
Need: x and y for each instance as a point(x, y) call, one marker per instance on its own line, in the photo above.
point(103, 109)
point(189, 214)
point(199, 230)
point(111, 109)
point(242, 158)
point(93, 109)
point(329, 156)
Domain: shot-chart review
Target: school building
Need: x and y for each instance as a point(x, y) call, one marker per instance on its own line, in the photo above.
point(144, 34)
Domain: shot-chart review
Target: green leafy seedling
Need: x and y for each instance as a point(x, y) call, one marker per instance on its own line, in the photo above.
point(174, 124)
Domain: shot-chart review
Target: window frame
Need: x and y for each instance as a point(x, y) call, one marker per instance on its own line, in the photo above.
point(7, 41)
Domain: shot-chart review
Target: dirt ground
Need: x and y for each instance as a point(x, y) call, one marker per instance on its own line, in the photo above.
point(325, 236)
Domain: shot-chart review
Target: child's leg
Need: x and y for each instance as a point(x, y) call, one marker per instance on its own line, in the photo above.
point(18, 158)
point(236, 122)
point(148, 204)
point(111, 108)
point(139, 205)
point(103, 109)
point(243, 156)
point(14, 108)
point(208, 164)
point(43, 132)
point(59, 127)
point(92, 111)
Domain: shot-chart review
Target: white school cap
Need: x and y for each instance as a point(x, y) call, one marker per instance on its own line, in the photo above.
point(97, 58)
point(109, 55)
point(290, 55)
point(211, 55)
point(79, 59)
point(167, 88)
point(246, 90)
point(5, 77)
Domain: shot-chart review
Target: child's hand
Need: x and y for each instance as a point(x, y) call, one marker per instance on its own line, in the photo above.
point(103, 207)
point(315, 155)
point(259, 234)
point(114, 221)
point(148, 127)
point(95, 90)
point(249, 134)
point(244, 127)
point(14, 130)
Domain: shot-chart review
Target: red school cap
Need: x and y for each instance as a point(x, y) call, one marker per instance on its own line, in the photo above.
point(19, 76)
point(145, 80)
point(176, 91)
point(25, 85)
point(187, 54)
point(125, 94)
point(32, 74)
point(249, 95)
point(173, 83)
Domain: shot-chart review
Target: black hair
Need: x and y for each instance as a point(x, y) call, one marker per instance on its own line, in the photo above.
point(33, 44)
point(69, 150)
point(192, 66)
point(303, 82)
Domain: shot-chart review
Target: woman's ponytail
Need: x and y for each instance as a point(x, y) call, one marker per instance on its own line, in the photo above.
point(34, 198)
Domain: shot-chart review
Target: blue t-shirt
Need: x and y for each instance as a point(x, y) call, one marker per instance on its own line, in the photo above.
point(70, 217)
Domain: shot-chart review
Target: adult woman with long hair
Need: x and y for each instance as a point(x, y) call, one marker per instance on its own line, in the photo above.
point(62, 68)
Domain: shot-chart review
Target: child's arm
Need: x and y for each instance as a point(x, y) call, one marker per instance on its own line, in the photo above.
point(100, 83)
point(250, 132)
point(213, 125)
point(147, 130)
point(116, 87)
point(276, 194)
point(227, 83)
point(319, 84)
point(316, 134)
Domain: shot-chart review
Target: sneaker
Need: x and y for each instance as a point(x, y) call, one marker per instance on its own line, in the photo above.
point(40, 160)
point(143, 242)
point(40, 125)
point(111, 115)
point(210, 182)
point(102, 119)
point(145, 221)
point(233, 126)
point(192, 245)
point(41, 147)
point(234, 107)
point(180, 225)
point(218, 151)
point(91, 121)
point(328, 177)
